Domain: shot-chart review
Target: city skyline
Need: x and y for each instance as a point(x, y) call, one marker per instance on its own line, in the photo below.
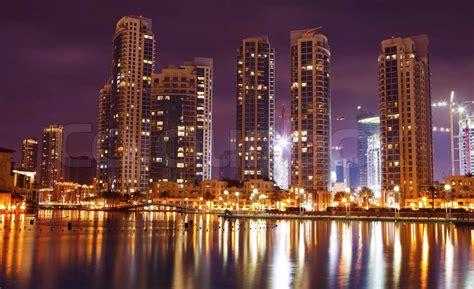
point(237, 144)
point(77, 148)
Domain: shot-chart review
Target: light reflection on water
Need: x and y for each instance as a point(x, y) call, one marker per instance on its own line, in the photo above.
point(154, 250)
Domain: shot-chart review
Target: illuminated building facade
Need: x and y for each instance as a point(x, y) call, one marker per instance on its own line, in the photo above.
point(405, 116)
point(310, 116)
point(367, 125)
point(124, 116)
point(6, 176)
point(174, 126)
point(203, 70)
point(466, 145)
point(51, 155)
point(280, 162)
point(29, 154)
point(103, 137)
point(255, 108)
point(374, 165)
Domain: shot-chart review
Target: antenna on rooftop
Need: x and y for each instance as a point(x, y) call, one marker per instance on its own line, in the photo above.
point(314, 29)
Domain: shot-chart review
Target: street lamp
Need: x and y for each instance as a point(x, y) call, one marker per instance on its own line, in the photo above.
point(300, 195)
point(237, 198)
point(226, 192)
point(254, 198)
point(447, 188)
point(348, 192)
point(345, 203)
point(262, 199)
point(396, 189)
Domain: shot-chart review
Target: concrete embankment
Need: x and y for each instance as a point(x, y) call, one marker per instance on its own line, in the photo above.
point(354, 218)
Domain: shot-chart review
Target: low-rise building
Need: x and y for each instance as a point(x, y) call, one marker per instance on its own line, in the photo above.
point(24, 184)
point(5, 201)
point(6, 173)
point(257, 186)
point(212, 189)
point(462, 191)
point(65, 193)
point(173, 190)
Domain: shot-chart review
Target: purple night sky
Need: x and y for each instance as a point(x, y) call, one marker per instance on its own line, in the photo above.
point(57, 55)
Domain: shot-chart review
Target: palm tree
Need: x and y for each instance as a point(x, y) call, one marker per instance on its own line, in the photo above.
point(164, 194)
point(340, 196)
point(276, 196)
point(436, 191)
point(208, 196)
point(366, 194)
point(465, 189)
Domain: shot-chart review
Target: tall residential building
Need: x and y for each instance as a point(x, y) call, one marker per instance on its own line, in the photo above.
point(174, 125)
point(405, 117)
point(367, 126)
point(228, 160)
point(51, 155)
point(466, 145)
point(374, 164)
point(103, 136)
point(203, 70)
point(310, 116)
point(124, 116)
point(29, 154)
point(255, 108)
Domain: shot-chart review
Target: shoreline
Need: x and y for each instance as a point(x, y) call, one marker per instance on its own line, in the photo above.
point(367, 218)
point(342, 218)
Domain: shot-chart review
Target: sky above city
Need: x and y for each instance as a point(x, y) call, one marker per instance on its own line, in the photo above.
point(56, 55)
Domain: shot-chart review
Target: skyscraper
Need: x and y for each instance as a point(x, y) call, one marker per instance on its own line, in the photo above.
point(51, 155)
point(174, 125)
point(103, 136)
point(405, 117)
point(374, 165)
point(124, 115)
point(255, 108)
point(29, 154)
point(310, 116)
point(367, 126)
point(466, 145)
point(203, 70)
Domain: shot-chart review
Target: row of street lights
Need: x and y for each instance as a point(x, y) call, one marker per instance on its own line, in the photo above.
point(447, 189)
point(226, 194)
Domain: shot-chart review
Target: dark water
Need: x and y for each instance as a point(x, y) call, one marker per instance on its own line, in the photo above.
point(117, 252)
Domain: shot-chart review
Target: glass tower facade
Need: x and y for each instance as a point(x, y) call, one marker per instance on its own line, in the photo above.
point(255, 108)
point(310, 116)
point(405, 117)
point(128, 136)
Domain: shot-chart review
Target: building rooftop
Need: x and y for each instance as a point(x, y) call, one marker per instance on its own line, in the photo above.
point(370, 120)
point(5, 150)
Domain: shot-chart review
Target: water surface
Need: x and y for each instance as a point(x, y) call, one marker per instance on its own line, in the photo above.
point(155, 250)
